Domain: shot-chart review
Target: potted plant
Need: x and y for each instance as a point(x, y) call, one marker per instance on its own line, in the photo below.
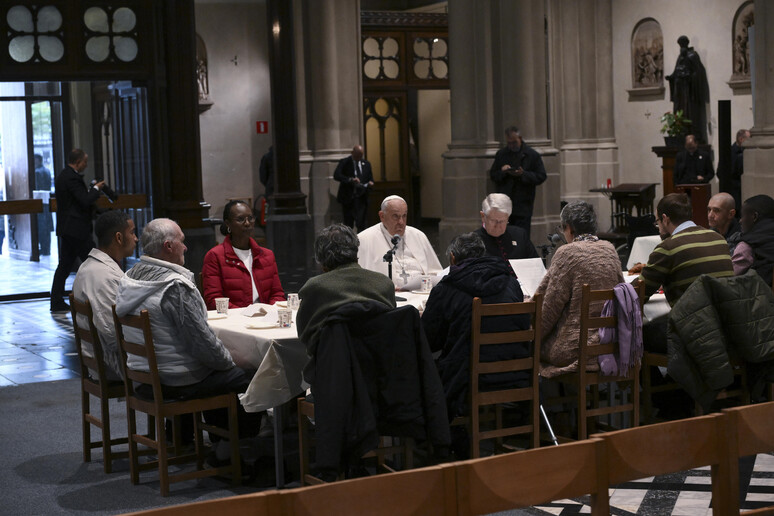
point(675, 128)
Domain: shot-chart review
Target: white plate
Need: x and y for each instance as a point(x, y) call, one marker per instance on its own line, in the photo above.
point(215, 317)
point(420, 292)
point(262, 326)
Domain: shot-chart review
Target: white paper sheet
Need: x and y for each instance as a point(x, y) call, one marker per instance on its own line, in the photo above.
point(530, 272)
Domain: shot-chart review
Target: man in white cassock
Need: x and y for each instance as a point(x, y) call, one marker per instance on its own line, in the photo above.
point(414, 256)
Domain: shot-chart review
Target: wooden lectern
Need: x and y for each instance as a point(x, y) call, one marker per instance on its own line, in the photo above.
point(699, 194)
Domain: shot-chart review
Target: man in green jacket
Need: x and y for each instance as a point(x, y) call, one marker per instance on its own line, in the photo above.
point(343, 281)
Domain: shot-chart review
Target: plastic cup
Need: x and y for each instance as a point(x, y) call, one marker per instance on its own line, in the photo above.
point(221, 305)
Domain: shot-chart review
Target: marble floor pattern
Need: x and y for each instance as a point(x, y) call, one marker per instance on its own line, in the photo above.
point(37, 346)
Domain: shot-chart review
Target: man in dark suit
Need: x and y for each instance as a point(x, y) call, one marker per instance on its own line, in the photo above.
point(75, 207)
point(693, 165)
point(354, 174)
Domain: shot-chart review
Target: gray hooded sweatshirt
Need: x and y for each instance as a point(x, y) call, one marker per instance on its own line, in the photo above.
point(187, 350)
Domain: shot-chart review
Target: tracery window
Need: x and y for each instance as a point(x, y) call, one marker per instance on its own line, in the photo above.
point(35, 33)
point(111, 33)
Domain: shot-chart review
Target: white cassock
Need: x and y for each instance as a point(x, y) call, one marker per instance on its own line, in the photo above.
point(414, 257)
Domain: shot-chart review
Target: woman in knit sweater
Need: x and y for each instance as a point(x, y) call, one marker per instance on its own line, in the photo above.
point(584, 259)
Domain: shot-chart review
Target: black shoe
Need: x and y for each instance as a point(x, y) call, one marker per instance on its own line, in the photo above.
point(61, 306)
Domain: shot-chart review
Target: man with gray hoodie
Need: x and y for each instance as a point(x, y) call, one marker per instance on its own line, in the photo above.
point(192, 361)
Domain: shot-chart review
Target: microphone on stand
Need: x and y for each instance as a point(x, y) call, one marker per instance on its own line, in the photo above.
point(395, 240)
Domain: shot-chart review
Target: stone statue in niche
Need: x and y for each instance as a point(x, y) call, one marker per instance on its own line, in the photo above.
point(647, 55)
point(743, 20)
point(202, 75)
point(689, 89)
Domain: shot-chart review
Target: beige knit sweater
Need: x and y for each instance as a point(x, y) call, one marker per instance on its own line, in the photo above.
point(574, 264)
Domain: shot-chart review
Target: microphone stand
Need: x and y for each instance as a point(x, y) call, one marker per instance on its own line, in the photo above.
point(388, 256)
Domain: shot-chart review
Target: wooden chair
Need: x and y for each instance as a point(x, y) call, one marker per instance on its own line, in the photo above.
point(497, 399)
point(265, 503)
point(428, 491)
point(671, 447)
point(749, 433)
point(404, 448)
point(649, 361)
point(584, 378)
point(532, 477)
point(739, 390)
point(94, 382)
point(160, 408)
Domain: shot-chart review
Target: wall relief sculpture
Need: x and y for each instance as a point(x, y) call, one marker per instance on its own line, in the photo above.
point(740, 71)
point(647, 51)
point(202, 75)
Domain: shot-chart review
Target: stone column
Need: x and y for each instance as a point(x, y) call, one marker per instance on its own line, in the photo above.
point(582, 71)
point(288, 228)
point(178, 193)
point(331, 87)
point(759, 149)
point(497, 75)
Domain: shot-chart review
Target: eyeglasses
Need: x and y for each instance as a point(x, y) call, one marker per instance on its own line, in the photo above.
point(242, 220)
point(496, 222)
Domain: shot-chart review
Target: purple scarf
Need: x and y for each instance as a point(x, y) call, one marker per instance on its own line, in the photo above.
point(626, 305)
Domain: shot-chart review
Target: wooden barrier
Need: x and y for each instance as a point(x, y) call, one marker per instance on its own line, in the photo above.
point(123, 202)
point(21, 207)
point(533, 477)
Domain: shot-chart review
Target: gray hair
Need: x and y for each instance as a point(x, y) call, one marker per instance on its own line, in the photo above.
point(154, 235)
point(335, 245)
point(391, 198)
point(499, 202)
point(467, 245)
point(580, 216)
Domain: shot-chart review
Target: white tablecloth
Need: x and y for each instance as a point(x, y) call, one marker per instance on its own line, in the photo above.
point(276, 354)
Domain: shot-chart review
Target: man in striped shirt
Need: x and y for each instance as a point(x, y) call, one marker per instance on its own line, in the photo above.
point(686, 252)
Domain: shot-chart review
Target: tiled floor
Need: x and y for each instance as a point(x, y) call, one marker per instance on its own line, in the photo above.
point(37, 346)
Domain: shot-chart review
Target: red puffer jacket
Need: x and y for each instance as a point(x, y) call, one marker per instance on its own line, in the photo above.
point(225, 275)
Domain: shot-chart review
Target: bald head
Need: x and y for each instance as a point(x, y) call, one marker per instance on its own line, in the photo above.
point(357, 152)
point(721, 211)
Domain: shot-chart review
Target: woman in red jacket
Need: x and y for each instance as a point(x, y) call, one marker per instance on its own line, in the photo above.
point(239, 268)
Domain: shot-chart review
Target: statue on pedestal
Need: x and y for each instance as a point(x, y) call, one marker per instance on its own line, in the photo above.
point(689, 90)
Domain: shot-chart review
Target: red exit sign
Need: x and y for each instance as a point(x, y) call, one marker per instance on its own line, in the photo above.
point(262, 127)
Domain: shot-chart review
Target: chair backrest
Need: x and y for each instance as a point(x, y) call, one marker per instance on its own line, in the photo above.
point(87, 335)
point(594, 322)
point(671, 447)
point(427, 491)
point(749, 433)
point(530, 364)
point(532, 477)
point(142, 349)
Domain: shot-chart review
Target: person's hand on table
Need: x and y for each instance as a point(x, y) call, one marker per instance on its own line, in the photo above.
point(636, 269)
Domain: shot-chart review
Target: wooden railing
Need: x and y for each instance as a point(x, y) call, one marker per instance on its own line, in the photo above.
point(533, 477)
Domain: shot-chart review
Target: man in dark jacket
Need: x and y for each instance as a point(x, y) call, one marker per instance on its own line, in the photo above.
point(75, 207)
point(693, 165)
point(517, 170)
point(447, 321)
point(354, 174)
point(755, 249)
